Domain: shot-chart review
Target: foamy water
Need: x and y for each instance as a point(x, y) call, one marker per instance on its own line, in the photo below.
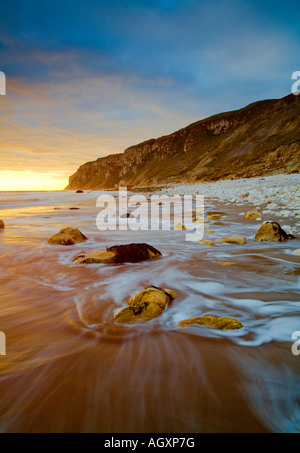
point(70, 367)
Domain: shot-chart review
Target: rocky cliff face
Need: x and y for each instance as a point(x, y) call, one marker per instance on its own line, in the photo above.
point(260, 139)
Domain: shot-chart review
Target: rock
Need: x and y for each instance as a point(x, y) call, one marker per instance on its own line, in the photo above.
point(131, 168)
point(245, 195)
point(129, 253)
point(209, 232)
point(296, 252)
point(234, 239)
point(213, 321)
point(67, 236)
point(272, 232)
point(146, 305)
point(253, 215)
point(206, 242)
point(57, 208)
point(101, 256)
point(73, 209)
point(79, 191)
point(214, 217)
point(2, 225)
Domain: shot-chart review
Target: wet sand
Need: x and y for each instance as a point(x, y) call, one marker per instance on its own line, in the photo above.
point(70, 368)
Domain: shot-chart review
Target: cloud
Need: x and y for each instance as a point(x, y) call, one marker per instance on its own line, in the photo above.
point(90, 78)
point(61, 125)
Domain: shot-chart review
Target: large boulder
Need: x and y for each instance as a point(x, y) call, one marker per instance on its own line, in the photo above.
point(1, 225)
point(218, 322)
point(272, 232)
point(128, 253)
point(146, 305)
point(254, 214)
point(234, 239)
point(67, 236)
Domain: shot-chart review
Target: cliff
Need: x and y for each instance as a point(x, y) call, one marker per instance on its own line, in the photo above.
point(260, 139)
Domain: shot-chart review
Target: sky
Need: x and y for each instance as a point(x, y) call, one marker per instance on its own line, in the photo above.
point(88, 78)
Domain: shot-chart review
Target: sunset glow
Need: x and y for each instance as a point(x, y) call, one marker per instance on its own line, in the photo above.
point(29, 180)
point(108, 77)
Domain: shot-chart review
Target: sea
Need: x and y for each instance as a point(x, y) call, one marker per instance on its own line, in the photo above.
point(69, 367)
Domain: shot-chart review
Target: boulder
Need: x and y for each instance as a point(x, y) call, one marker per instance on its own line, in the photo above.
point(206, 242)
point(217, 322)
point(128, 253)
point(244, 195)
point(2, 225)
point(79, 191)
point(253, 214)
point(272, 232)
point(67, 236)
point(101, 256)
point(214, 217)
point(146, 305)
point(296, 252)
point(234, 239)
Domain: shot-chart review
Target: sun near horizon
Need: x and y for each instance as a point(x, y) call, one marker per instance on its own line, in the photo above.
point(30, 181)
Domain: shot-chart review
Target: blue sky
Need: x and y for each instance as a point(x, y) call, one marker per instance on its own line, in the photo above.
point(90, 78)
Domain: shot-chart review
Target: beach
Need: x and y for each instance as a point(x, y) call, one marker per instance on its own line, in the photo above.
point(69, 367)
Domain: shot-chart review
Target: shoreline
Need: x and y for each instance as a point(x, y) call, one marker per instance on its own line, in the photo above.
point(60, 325)
point(279, 194)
